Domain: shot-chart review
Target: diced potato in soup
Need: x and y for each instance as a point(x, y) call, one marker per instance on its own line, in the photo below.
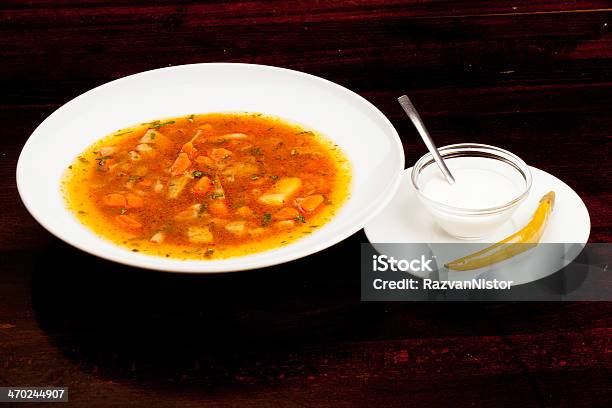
point(281, 191)
point(200, 235)
point(176, 186)
point(208, 186)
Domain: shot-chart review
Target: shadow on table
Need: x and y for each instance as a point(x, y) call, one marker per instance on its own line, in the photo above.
point(126, 323)
point(225, 330)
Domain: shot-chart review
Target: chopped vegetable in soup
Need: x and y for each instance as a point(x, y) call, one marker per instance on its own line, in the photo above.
point(208, 186)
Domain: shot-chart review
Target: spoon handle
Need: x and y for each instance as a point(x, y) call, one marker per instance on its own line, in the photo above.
point(420, 126)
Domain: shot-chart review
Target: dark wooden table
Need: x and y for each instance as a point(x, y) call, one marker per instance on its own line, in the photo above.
point(534, 77)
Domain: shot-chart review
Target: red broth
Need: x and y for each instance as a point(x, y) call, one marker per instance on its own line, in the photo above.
point(208, 186)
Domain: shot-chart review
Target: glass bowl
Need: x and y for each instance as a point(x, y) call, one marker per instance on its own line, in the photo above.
point(473, 223)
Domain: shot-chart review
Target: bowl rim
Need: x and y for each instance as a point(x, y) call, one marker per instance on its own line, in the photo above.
point(199, 266)
point(494, 153)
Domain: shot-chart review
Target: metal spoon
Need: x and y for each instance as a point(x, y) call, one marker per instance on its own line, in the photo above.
point(418, 123)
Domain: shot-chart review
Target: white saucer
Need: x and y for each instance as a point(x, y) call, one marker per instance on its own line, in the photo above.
point(405, 220)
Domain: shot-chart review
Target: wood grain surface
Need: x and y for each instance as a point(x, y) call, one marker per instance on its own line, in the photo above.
point(534, 77)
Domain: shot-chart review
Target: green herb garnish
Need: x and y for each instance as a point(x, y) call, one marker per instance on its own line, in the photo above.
point(158, 125)
point(267, 218)
point(197, 174)
point(254, 177)
point(123, 211)
point(300, 218)
point(256, 151)
point(217, 195)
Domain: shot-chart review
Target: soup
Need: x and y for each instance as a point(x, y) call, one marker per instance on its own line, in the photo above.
point(208, 186)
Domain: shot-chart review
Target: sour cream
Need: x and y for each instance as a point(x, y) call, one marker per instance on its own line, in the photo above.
point(486, 192)
point(474, 188)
